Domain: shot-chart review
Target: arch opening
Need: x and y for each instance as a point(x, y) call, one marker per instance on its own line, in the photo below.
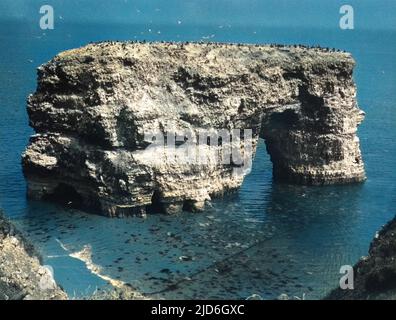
point(66, 195)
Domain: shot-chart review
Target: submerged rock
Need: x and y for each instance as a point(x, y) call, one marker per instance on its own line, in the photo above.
point(374, 275)
point(99, 112)
point(21, 274)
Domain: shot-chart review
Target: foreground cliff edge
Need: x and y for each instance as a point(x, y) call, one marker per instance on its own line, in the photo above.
point(21, 274)
point(95, 108)
point(375, 274)
point(24, 277)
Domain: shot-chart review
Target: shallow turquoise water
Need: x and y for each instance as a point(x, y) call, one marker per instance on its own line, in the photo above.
point(266, 239)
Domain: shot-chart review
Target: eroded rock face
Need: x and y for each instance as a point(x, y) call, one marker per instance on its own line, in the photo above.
point(94, 107)
point(374, 275)
point(21, 274)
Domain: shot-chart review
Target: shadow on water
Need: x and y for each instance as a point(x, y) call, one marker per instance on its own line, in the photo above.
point(296, 210)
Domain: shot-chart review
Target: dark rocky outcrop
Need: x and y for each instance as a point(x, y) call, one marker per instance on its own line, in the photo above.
point(374, 275)
point(21, 274)
point(94, 105)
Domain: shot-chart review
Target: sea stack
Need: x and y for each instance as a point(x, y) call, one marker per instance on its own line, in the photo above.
point(95, 109)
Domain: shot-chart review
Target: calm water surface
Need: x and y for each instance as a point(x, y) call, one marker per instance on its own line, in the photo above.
point(265, 239)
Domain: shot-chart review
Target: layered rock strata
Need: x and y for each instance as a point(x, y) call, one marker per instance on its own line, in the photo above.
point(99, 112)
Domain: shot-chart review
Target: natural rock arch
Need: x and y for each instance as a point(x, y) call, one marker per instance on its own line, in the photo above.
point(94, 105)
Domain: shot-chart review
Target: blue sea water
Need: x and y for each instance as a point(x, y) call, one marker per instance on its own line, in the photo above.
point(265, 239)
